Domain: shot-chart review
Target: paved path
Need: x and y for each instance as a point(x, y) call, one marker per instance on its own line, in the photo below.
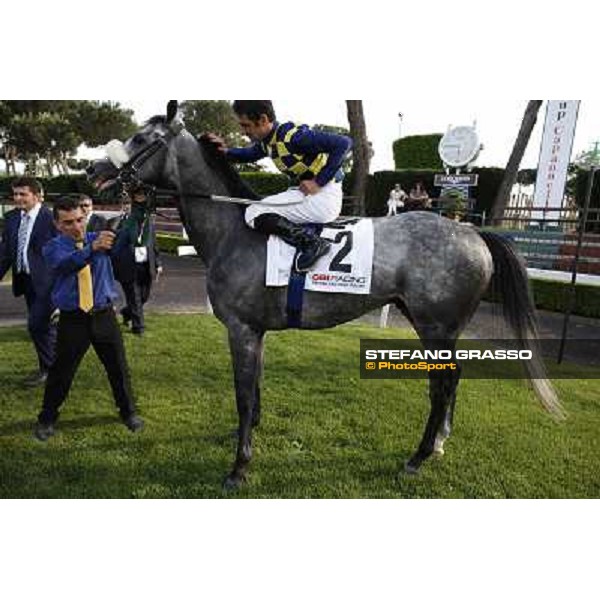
point(182, 289)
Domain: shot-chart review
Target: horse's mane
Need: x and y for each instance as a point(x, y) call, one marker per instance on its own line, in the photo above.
point(217, 161)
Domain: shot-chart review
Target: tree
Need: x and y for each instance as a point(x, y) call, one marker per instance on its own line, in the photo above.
point(46, 133)
point(361, 153)
point(99, 122)
point(516, 156)
point(8, 152)
point(214, 116)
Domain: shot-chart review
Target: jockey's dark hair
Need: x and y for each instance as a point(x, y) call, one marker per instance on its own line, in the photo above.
point(30, 182)
point(254, 108)
point(66, 204)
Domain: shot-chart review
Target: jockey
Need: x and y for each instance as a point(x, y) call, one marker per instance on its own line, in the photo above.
point(312, 159)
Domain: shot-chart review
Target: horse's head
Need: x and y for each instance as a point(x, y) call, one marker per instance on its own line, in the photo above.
point(142, 157)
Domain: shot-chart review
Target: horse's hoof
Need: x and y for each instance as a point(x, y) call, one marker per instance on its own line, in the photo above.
point(438, 446)
point(233, 483)
point(410, 468)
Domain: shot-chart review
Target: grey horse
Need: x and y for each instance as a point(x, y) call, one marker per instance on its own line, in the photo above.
point(434, 269)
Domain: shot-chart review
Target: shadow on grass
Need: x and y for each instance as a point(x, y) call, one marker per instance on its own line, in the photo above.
point(70, 424)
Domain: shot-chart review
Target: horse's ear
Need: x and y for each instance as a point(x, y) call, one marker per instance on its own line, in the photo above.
point(172, 107)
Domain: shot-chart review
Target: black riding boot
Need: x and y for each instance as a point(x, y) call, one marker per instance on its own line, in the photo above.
point(311, 246)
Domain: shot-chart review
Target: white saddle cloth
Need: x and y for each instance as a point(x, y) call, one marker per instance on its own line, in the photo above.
point(346, 268)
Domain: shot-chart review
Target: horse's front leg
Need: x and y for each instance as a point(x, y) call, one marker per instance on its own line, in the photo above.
point(246, 352)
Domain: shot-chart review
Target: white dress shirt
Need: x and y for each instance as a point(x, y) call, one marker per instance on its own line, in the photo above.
point(33, 213)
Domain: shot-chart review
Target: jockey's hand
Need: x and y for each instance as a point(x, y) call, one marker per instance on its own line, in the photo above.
point(309, 187)
point(216, 141)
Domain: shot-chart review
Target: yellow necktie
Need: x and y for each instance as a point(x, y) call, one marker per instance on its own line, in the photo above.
point(86, 290)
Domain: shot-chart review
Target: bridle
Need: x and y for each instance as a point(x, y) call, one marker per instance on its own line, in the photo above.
point(128, 173)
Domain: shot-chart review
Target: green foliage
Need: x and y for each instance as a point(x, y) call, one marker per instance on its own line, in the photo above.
point(579, 187)
point(325, 434)
point(99, 122)
point(490, 179)
point(266, 184)
point(527, 176)
point(554, 296)
point(61, 184)
point(52, 130)
point(418, 152)
point(212, 116)
point(168, 243)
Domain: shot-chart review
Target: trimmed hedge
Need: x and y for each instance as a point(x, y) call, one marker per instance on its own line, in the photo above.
point(266, 184)
point(418, 152)
point(61, 184)
point(554, 295)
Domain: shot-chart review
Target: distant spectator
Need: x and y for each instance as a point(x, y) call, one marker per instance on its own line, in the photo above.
point(26, 231)
point(137, 264)
point(93, 221)
point(396, 200)
point(418, 198)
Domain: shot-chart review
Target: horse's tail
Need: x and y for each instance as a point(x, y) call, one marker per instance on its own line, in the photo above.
point(511, 283)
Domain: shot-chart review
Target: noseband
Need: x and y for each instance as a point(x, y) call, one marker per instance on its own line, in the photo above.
point(128, 173)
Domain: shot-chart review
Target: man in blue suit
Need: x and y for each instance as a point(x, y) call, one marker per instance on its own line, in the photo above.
point(27, 229)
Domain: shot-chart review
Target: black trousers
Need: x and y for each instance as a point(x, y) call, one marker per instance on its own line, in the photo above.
point(76, 331)
point(137, 292)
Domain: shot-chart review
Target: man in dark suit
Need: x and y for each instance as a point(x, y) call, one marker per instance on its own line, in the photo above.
point(137, 265)
point(26, 231)
point(93, 221)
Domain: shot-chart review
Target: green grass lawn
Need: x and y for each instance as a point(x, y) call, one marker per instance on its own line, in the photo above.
point(325, 432)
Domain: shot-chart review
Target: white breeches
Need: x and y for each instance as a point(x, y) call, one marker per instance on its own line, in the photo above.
point(323, 207)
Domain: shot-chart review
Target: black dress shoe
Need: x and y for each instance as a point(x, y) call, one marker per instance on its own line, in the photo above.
point(134, 423)
point(139, 332)
point(35, 379)
point(44, 431)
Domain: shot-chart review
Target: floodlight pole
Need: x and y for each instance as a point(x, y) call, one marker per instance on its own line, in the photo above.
point(571, 296)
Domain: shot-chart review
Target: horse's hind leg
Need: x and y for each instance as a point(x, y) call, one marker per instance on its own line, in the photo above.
point(246, 352)
point(446, 426)
point(442, 387)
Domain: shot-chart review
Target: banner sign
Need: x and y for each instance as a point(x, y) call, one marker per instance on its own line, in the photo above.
point(555, 153)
